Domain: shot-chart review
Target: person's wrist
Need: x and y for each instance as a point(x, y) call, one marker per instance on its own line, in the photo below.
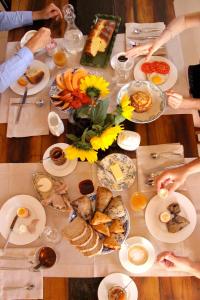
point(37, 15)
point(194, 269)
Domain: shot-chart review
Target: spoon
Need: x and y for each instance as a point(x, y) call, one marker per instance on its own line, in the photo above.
point(139, 31)
point(47, 258)
point(38, 103)
point(28, 287)
point(156, 155)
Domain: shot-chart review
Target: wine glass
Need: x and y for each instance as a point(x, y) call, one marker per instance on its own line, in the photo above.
point(51, 235)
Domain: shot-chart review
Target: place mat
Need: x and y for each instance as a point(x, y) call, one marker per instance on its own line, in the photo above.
point(33, 119)
point(74, 264)
point(146, 165)
point(19, 278)
point(138, 38)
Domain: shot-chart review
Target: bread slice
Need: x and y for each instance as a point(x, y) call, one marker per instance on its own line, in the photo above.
point(115, 208)
point(104, 196)
point(100, 218)
point(82, 240)
point(34, 76)
point(116, 226)
point(102, 228)
point(112, 243)
point(96, 251)
point(88, 241)
point(91, 245)
point(83, 207)
point(75, 229)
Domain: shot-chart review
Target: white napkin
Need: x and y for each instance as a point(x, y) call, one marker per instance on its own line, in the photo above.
point(33, 119)
point(19, 278)
point(147, 165)
point(133, 37)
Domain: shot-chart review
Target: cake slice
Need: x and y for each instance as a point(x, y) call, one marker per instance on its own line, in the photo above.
point(34, 76)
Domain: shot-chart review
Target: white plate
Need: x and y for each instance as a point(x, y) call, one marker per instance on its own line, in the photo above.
point(60, 171)
point(118, 279)
point(127, 167)
point(158, 100)
point(172, 76)
point(159, 230)
point(8, 212)
point(123, 255)
point(33, 88)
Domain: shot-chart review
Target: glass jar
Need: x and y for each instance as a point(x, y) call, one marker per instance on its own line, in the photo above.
point(73, 37)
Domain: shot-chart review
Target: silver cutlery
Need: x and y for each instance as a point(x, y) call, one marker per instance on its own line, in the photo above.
point(38, 103)
point(133, 43)
point(145, 30)
point(157, 155)
point(6, 257)
point(21, 104)
point(143, 38)
point(28, 287)
point(9, 233)
point(15, 268)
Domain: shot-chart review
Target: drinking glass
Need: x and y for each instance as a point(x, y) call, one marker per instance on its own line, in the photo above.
point(138, 201)
point(51, 235)
point(60, 57)
point(123, 67)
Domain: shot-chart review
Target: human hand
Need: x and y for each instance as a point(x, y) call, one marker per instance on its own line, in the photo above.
point(139, 50)
point(171, 179)
point(175, 263)
point(174, 100)
point(50, 11)
point(40, 39)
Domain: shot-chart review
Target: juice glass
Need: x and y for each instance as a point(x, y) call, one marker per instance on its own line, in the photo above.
point(138, 201)
point(60, 57)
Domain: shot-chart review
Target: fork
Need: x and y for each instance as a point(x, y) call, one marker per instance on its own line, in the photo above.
point(27, 287)
point(145, 30)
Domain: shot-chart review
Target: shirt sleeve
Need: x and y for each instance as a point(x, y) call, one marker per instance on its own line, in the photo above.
point(10, 20)
point(14, 67)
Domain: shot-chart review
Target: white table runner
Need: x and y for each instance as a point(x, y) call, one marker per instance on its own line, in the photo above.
point(174, 52)
point(70, 262)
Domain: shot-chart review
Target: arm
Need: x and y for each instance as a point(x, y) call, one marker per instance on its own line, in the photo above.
point(16, 66)
point(10, 20)
point(172, 179)
point(176, 101)
point(175, 27)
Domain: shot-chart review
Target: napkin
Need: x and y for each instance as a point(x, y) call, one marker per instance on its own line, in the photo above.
point(133, 37)
point(19, 278)
point(33, 119)
point(147, 165)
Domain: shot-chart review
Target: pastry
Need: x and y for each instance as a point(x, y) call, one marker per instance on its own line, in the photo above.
point(116, 226)
point(75, 230)
point(174, 208)
point(115, 208)
point(104, 196)
point(141, 101)
point(83, 207)
point(176, 224)
point(100, 218)
point(34, 76)
point(112, 243)
point(102, 228)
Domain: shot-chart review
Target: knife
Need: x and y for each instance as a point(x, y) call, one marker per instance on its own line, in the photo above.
point(21, 104)
point(10, 230)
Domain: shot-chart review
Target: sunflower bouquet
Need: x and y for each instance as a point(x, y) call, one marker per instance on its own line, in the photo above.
point(96, 128)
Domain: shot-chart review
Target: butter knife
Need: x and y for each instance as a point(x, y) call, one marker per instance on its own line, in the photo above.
point(9, 233)
point(20, 105)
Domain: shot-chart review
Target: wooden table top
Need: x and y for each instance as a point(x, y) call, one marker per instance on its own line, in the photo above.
point(167, 129)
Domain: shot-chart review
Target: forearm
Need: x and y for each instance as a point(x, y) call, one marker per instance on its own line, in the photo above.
point(14, 67)
point(192, 167)
point(195, 269)
point(10, 20)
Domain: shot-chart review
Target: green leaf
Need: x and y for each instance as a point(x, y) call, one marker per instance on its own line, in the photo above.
point(83, 145)
point(110, 120)
point(99, 113)
point(72, 137)
point(83, 112)
point(84, 135)
point(119, 119)
point(97, 127)
point(91, 133)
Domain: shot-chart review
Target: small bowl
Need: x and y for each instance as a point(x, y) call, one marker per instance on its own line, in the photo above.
point(128, 140)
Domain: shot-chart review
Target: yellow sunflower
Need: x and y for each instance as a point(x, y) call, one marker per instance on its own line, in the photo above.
point(72, 152)
point(94, 86)
point(105, 140)
point(127, 109)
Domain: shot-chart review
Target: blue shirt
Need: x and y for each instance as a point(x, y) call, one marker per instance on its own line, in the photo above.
point(15, 66)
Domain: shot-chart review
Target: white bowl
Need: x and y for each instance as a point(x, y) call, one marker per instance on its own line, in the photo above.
point(128, 140)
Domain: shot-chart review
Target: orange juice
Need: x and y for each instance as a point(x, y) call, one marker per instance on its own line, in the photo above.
point(138, 201)
point(60, 58)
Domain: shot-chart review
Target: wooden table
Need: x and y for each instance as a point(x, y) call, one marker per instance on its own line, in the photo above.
point(167, 129)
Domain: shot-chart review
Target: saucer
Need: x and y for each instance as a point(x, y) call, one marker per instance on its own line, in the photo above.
point(59, 171)
point(137, 241)
point(117, 279)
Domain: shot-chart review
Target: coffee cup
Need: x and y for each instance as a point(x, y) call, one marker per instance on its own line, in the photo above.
point(57, 155)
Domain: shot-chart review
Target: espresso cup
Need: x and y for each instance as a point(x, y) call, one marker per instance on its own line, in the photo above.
point(57, 155)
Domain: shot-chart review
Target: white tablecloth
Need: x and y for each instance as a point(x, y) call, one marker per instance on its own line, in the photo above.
point(70, 262)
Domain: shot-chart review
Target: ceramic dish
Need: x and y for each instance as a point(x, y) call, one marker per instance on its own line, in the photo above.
point(158, 100)
point(60, 171)
point(8, 212)
point(125, 221)
point(170, 78)
point(137, 241)
point(158, 229)
point(33, 88)
point(107, 179)
point(117, 279)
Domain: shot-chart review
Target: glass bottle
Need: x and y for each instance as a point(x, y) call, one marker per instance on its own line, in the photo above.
point(73, 37)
